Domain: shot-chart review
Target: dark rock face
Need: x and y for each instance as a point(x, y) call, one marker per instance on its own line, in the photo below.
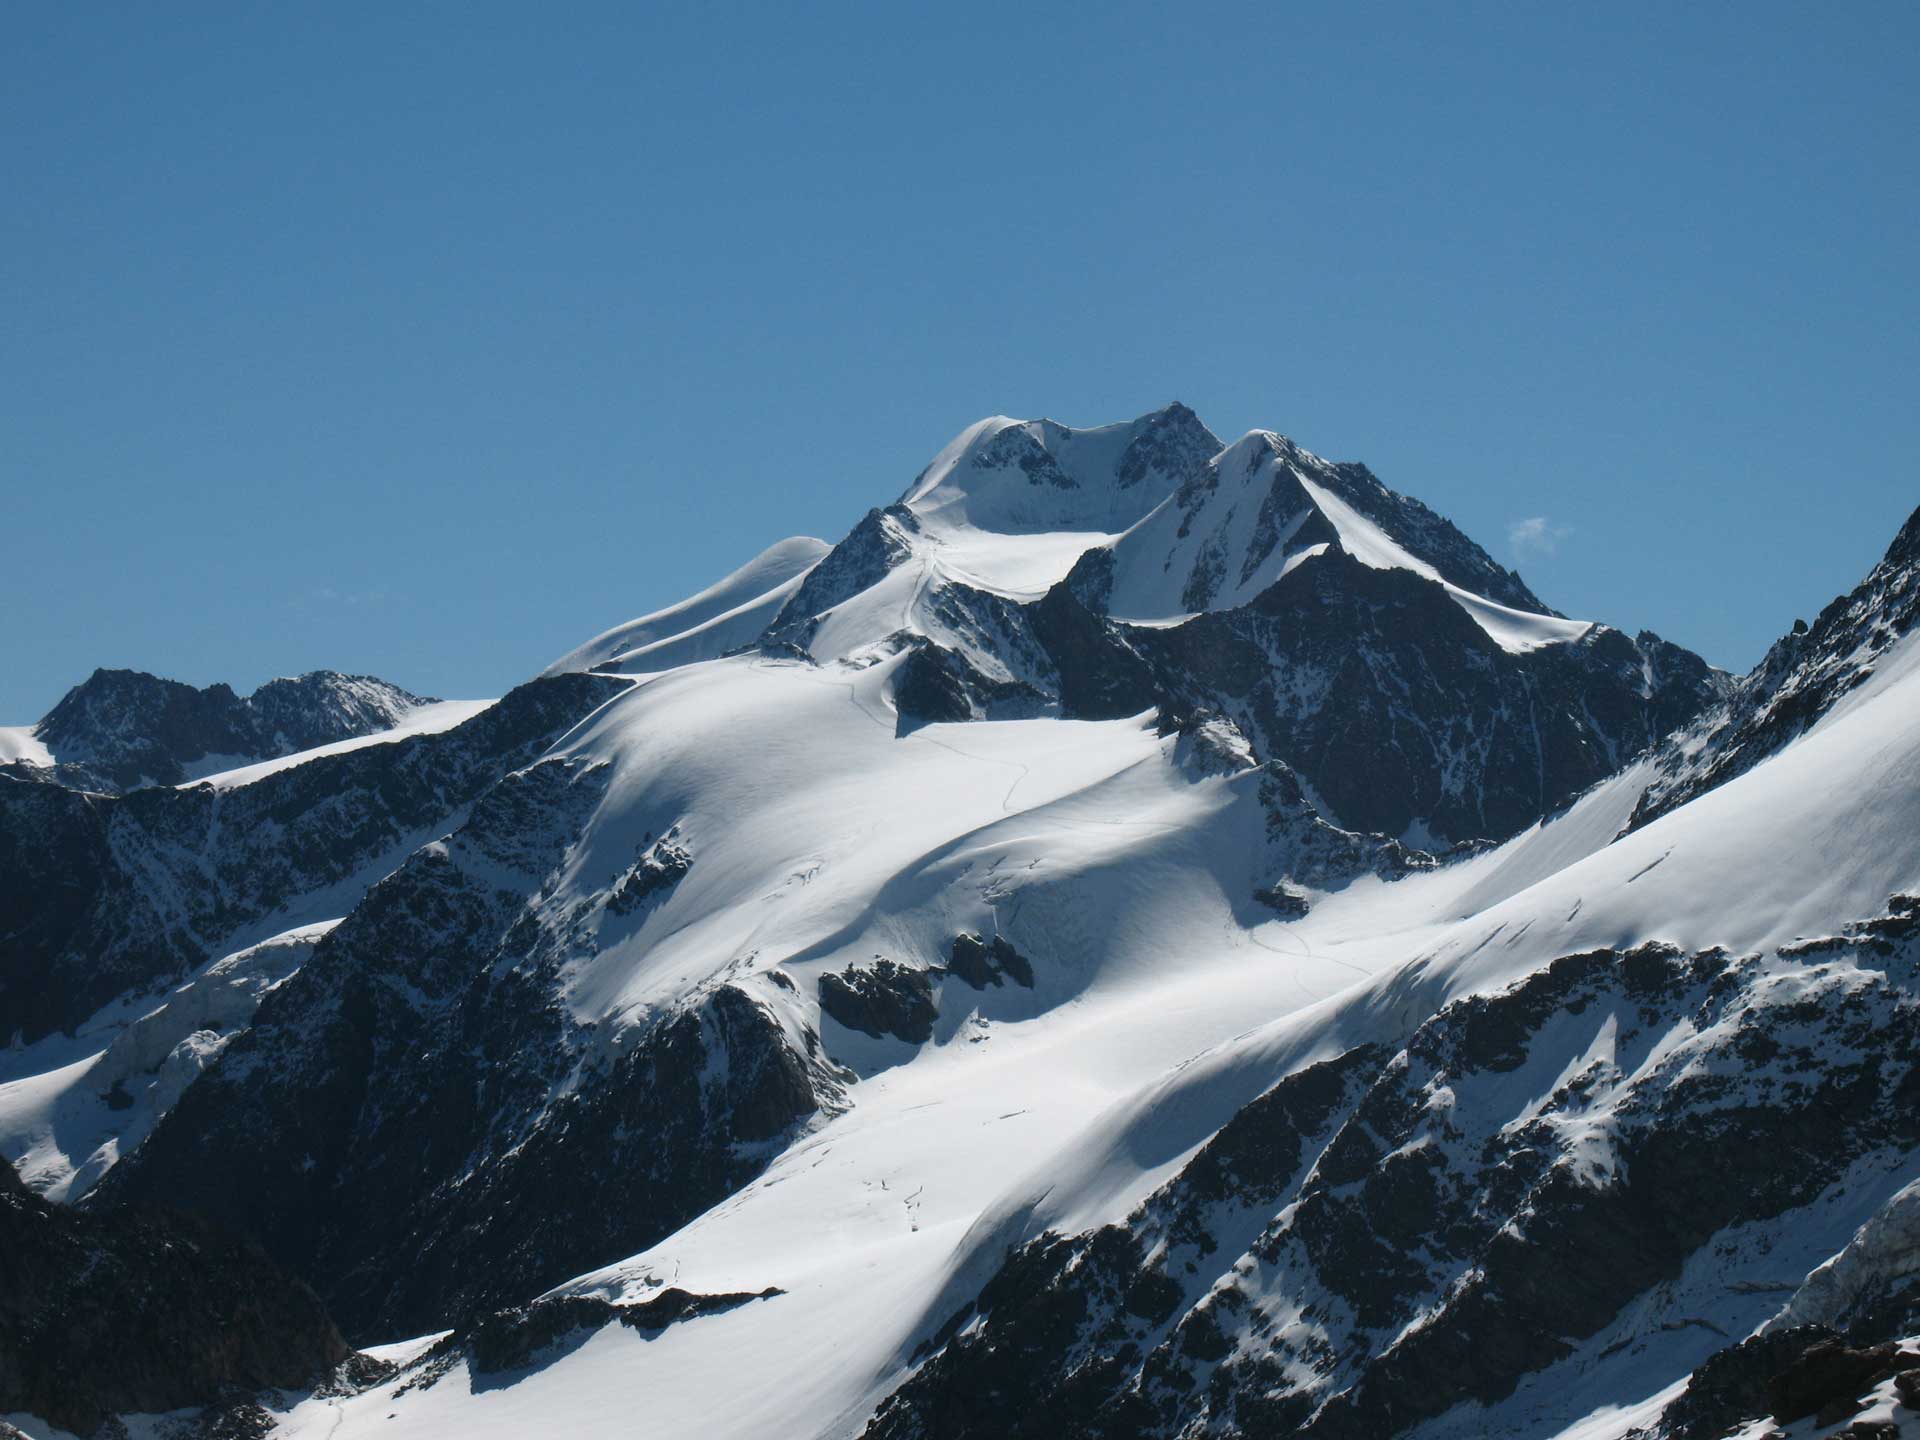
point(934, 684)
point(863, 558)
point(1384, 695)
point(882, 998)
point(1101, 675)
point(73, 777)
point(1317, 853)
point(1397, 708)
point(131, 729)
point(1282, 900)
point(516, 1339)
point(1270, 1287)
point(1015, 446)
point(105, 1313)
point(661, 866)
point(1421, 532)
point(1800, 679)
point(1825, 1372)
point(982, 963)
point(56, 872)
point(103, 895)
point(1790, 1374)
point(415, 1120)
point(1732, 1385)
point(1167, 447)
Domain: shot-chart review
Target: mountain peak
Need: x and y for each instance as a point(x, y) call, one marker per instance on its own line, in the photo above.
point(1035, 476)
point(1905, 549)
point(1264, 504)
point(130, 728)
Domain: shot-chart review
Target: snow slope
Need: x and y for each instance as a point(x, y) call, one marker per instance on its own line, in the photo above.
point(1259, 514)
point(428, 719)
point(1035, 477)
point(1166, 1011)
point(819, 832)
point(18, 742)
point(729, 613)
point(62, 1131)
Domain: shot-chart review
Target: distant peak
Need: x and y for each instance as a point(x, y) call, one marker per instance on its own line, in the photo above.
point(130, 728)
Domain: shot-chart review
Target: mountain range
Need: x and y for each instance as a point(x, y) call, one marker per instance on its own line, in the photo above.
point(1144, 936)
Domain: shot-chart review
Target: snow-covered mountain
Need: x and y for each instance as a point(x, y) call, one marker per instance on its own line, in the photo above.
point(1144, 936)
point(124, 729)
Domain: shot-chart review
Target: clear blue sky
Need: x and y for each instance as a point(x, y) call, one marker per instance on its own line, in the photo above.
point(428, 340)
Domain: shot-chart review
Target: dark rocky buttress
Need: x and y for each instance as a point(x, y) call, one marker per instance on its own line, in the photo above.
point(1428, 1222)
point(100, 895)
point(1801, 678)
point(143, 1311)
point(415, 1120)
point(126, 728)
point(1383, 695)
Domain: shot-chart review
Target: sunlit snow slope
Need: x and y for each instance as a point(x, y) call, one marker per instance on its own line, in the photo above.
point(727, 614)
point(1034, 917)
point(1030, 1113)
point(1166, 1001)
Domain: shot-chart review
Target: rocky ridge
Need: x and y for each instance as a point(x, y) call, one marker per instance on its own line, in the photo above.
point(1399, 1231)
point(1802, 677)
point(124, 729)
point(101, 895)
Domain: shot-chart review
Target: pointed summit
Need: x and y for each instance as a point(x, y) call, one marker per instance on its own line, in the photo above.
point(1263, 506)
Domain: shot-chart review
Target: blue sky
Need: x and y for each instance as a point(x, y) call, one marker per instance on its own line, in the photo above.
point(428, 340)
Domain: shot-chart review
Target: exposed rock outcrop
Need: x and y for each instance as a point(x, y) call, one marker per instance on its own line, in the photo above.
point(143, 1311)
point(102, 895)
point(882, 998)
point(415, 1120)
point(1800, 679)
point(1382, 1237)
